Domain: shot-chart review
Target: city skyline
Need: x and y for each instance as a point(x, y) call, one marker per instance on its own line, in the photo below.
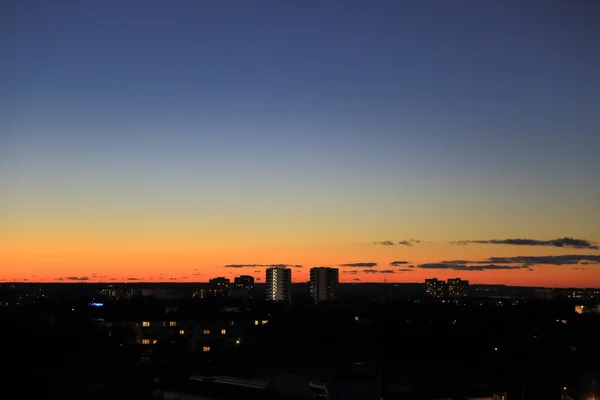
point(180, 142)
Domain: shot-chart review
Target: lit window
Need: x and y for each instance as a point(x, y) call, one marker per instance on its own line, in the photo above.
point(256, 322)
point(207, 332)
point(181, 332)
point(223, 331)
point(264, 321)
point(231, 323)
point(356, 318)
point(238, 341)
point(154, 341)
point(206, 349)
point(146, 324)
point(145, 341)
point(173, 323)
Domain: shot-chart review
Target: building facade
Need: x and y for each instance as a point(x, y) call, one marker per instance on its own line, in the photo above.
point(279, 283)
point(324, 283)
point(435, 288)
point(218, 286)
point(243, 287)
point(458, 288)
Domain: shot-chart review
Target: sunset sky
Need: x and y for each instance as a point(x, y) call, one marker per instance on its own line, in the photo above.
point(181, 140)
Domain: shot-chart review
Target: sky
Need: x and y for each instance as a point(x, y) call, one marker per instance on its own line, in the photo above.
point(181, 140)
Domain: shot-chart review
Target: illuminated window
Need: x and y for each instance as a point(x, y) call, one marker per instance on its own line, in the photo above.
point(206, 349)
point(173, 323)
point(181, 332)
point(145, 341)
point(231, 323)
point(154, 341)
point(356, 318)
point(146, 324)
point(256, 322)
point(206, 332)
point(223, 331)
point(238, 341)
point(264, 321)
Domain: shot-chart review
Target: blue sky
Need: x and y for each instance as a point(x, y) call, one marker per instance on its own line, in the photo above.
point(339, 106)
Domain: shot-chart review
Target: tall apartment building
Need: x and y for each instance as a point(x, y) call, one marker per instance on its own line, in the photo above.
point(324, 283)
point(279, 283)
point(435, 287)
point(218, 286)
point(458, 288)
point(243, 287)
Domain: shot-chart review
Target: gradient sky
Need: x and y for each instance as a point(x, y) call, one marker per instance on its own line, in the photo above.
point(163, 140)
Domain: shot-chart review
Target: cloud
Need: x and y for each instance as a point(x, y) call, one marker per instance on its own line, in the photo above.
point(409, 242)
point(405, 270)
point(463, 267)
point(263, 265)
point(60, 278)
point(370, 271)
point(578, 268)
point(196, 274)
point(133, 279)
point(569, 259)
point(397, 263)
point(385, 243)
point(560, 242)
point(386, 271)
point(77, 278)
point(350, 272)
point(360, 265)
point(356, 279)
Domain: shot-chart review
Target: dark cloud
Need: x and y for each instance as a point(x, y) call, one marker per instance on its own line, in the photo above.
point(560, 242)
point(360, 265)
point(397, 263)
point(133, 279)
point(350, 272)
point(356, 279)
point(263, 265)
point(409, 242)
point(387, 271)
point(370, 271)
point(578, 268)
point(60, 278)
point(385, 243)
point(78, 278)
point(569, 259)
point(183, 277)
point(405, 270)
point(172, 279)
point(463, 267)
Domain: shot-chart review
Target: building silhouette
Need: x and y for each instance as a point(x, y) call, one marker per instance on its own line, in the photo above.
point(324, 283)
point(279, 282)
point(243, 287)
point(458, 288)
point(218, 286)
point(435, 288)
